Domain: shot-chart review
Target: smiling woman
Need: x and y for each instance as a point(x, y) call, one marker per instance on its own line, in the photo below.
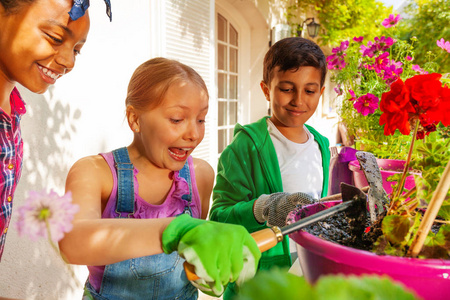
point(38, 44)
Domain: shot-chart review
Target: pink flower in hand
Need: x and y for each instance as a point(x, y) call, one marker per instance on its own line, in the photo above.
point(391, 20)
point(366, 104)
point(443, 44)
point(45, 213)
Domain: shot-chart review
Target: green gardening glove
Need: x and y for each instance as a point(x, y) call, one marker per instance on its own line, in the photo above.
point(221, 253)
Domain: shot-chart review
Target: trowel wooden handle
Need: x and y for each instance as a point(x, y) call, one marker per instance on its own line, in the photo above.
point(265, 239)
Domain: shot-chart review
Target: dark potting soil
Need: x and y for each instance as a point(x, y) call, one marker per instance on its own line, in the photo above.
point(348, 231)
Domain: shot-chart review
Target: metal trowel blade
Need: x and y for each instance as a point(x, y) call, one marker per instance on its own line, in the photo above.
point(378, 198)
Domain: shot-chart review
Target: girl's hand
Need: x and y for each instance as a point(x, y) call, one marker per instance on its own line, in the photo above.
point(220, 252)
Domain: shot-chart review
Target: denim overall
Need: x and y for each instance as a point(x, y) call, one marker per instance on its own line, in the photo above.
point(159, 276)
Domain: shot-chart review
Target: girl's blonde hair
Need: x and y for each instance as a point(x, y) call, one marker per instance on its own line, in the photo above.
point(152, 79)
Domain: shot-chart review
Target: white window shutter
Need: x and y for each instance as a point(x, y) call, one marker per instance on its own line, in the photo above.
point(189, 28)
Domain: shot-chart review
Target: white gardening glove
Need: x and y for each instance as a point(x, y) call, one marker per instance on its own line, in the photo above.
point(275, 207)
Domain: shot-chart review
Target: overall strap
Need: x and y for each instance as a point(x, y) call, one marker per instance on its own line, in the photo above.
point(186, 174)
point(125, 182)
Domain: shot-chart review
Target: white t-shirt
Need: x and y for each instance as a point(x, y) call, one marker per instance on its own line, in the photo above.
point(300, 164)
point(301, 169)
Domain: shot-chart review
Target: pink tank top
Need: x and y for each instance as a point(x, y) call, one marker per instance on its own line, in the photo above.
point(172, 206)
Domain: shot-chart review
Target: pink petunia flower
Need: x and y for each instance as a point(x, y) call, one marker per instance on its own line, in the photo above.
point(41, 210)
point(383, 43)
point(367, 50)
point(417, 68)
point(366, 104)
point(381, 62)
point(408, 58)
point(352, 95)
point(336, 61)
point(339, 51)
point(392, 71)
point(443, 44)
point(358, 39)
point(391, 21)
point(338, 90)
point(380, 44)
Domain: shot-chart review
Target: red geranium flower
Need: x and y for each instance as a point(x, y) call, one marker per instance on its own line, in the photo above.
point(425, 90)
point(445, 106)
point(420, 97)
point(396, 107)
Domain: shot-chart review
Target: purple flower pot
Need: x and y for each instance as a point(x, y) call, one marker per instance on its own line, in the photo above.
point(339, 170)
point(388, 167)
point(428, 278)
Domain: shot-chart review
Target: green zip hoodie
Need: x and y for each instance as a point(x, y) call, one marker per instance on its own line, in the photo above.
point(248, 168)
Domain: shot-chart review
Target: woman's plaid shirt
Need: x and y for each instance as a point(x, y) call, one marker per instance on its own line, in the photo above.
point(11, 154)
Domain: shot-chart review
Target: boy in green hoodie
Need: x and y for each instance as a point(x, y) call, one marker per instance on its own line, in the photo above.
point(278, 162)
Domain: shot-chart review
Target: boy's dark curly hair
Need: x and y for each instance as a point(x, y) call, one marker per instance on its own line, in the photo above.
point(291, 54)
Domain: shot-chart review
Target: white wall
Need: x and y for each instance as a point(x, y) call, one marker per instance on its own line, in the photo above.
point(82, 115)
point(188, 36)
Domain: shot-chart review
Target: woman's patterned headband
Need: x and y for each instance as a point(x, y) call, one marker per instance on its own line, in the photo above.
point(80, 6)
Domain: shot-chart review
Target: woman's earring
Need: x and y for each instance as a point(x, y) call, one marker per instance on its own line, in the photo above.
point(136, 129)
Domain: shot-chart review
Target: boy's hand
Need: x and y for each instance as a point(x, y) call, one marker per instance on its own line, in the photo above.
point(275, 207)
point(221, 253)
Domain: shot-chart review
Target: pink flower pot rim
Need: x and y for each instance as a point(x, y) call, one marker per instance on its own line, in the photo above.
point(429, 279)
point(352, 256)
point(384, 164)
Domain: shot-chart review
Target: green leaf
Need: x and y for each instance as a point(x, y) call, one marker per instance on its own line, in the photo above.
point(341, 19)
point(383, 247)
point(437, 245)
point(341, 288)
point(279, 284)
point(444, 211)
point(276, 284)
point(396, 228)
point(365, 287)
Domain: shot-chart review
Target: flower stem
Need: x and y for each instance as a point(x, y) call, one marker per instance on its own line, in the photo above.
point(61, 255)
point(406, 169)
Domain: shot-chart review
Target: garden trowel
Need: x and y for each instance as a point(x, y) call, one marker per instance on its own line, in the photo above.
point(354, 202)
point(377, 196)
